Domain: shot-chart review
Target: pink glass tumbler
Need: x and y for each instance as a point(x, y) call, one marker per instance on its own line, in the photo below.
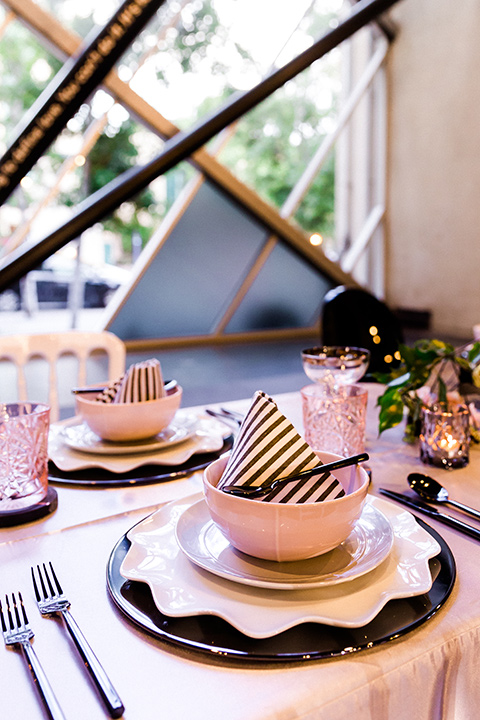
point(23, 455)
point(334, 419)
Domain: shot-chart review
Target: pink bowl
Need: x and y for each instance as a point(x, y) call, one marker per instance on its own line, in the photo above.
point(283, 531)
point(127, 422)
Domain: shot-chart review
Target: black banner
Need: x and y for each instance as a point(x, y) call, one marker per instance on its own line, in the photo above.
point(77, 79)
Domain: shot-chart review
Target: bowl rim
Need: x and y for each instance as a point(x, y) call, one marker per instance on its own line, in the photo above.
point(359, 491)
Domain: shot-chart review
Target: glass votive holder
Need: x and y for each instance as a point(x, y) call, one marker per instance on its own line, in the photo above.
point(334, 418)
point(23, 455)
point(445, 435)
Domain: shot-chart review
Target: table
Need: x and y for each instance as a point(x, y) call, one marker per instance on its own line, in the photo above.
point(430, 673)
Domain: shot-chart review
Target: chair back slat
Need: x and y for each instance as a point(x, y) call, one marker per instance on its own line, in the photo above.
point(21, 350)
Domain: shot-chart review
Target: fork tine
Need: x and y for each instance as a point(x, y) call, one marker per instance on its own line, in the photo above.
point(46, 583)
point(9, 613)
point(49, 582)
point(16, 612)
point(24, 611)
point(42, 581)
point(35, 586)
point(59, 587)
point(4, 627)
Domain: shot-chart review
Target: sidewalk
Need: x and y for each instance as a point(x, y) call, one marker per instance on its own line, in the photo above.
point(12, 323)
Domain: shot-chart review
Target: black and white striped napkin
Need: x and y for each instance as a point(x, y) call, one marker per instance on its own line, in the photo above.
point(268, 447)
point(142, 381)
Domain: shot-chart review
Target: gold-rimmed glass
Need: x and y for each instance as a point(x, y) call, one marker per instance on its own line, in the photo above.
point(335, 365)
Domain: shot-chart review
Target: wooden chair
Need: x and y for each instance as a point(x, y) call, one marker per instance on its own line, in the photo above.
point(44, 367)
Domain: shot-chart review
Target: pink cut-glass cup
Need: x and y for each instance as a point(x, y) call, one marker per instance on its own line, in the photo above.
point(335, 419)
point(23, 455)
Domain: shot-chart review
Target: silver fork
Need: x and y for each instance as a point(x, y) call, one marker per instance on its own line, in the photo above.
point(17, 631)
point(51, 600)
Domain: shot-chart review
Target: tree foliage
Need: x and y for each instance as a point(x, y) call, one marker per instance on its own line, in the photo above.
point(271, 147)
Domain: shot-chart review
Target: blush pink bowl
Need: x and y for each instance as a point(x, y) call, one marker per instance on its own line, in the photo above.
point(127, 422)
point(282, 531)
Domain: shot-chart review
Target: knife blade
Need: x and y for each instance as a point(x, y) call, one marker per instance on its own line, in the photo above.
point(432, 512)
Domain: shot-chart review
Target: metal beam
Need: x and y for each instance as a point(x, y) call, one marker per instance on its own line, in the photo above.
point(182, 145)
point(72, 85)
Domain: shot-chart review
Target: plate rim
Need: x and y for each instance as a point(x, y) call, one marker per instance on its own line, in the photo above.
point(113, 448)
point(284, 585)
point(180, 632)
point(92, 476)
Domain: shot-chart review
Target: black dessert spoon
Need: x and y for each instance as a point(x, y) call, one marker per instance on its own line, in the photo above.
point(432, 491)
point(168, 385)
point(259, 490)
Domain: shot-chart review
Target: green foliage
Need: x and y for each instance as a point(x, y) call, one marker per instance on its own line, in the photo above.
point(273, 145)
point(111, 156)
point(425, 363)
point(271, 148)
point(21, 85)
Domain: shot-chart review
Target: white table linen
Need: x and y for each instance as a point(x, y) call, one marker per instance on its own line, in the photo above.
point(431, 673)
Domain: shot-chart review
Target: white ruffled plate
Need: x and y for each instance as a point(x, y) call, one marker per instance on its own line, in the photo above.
point(205, 435)
point(180, 588)
point(78, 436)
point(205, 545)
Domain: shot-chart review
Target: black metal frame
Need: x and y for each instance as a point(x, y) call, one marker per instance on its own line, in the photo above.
point(75, 82)
point(181, 146)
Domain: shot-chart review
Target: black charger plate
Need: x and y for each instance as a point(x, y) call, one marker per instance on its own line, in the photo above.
point(144, 475)
point(215, 637)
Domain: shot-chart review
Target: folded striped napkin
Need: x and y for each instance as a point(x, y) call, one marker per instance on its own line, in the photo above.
point(142, 381)
point(268, 447)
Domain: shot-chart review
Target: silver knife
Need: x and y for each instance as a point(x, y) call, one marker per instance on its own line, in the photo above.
point(432, 512)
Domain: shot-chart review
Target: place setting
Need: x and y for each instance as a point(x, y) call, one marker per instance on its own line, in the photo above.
point(133, 431)
point(313, 566)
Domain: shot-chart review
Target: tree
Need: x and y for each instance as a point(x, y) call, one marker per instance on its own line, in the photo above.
point(273, 145)
point(269, 150)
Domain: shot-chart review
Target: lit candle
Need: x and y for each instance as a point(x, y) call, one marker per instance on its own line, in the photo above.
point(444, 440)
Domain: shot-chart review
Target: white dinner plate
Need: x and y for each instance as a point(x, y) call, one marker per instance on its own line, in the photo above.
point(204, 544)
point(79, 436)
point(208, 436)
point(181, 589)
